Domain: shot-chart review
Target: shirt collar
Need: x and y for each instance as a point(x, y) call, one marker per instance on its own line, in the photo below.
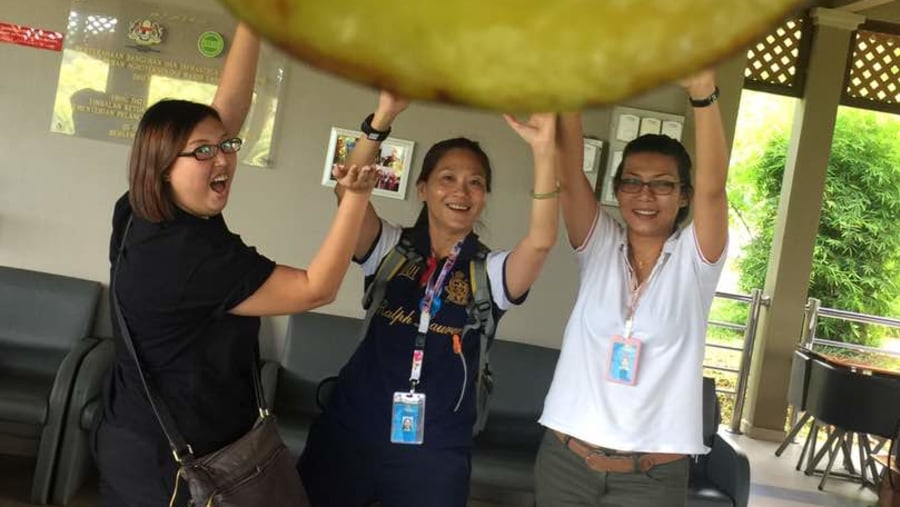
point(421, 241)
point(668, 247)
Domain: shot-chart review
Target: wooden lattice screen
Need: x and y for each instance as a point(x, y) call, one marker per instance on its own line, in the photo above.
point(777, 63)
point(873, 74)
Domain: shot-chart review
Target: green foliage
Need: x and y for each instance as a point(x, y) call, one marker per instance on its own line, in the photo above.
point(856, 261)
point(724, 310)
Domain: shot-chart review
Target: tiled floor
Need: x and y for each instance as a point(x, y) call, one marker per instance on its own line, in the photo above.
point(775, 483)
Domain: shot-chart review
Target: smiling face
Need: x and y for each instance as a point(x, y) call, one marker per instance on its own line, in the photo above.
point(645, 212)
point(455, 191)
point(198, 187)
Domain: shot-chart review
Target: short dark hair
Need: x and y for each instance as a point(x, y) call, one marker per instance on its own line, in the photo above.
point(161, 134)
point(437, 151)
point(663, 145)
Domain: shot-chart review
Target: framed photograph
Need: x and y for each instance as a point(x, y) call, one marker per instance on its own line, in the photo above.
point(605, 184)
point(593, 150)
point(393, 162)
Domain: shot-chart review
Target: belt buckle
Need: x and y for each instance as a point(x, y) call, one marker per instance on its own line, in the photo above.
point(644, 463)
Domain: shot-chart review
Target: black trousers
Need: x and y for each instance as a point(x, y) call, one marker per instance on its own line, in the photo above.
point(135, 471)
point(340, 470)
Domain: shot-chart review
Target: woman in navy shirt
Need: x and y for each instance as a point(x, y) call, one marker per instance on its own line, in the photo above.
point(376, 441)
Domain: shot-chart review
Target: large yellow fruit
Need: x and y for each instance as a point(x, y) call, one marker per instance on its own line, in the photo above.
point(512, 55)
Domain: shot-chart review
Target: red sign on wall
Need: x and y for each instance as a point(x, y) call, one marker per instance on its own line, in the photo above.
point(28, 36)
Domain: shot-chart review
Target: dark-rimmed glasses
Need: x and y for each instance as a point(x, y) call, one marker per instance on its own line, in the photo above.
point(657, 187)
point(208, 151)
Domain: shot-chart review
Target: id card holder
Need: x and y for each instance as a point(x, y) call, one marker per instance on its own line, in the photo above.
point(624, 360)
point(408, 418)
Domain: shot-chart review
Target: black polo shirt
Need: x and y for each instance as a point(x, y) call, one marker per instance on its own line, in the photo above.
point(381, 365)
point(176, 283)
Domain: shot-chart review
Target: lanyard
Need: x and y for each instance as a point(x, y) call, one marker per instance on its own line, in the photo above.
point(431, 303)
point(635, 291)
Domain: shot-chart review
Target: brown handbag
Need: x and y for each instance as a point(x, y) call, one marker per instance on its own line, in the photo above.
point(255, 470)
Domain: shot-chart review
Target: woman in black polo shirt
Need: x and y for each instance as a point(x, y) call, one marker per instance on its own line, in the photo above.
point(366, 447)
point(191, 292)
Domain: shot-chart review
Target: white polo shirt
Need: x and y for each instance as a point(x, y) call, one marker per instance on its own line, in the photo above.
point(662, 411)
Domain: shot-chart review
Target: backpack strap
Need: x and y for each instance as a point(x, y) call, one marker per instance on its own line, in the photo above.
point(481, 318)
point(390, 265)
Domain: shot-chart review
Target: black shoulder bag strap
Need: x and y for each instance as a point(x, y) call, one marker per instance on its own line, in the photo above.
point(181, 450)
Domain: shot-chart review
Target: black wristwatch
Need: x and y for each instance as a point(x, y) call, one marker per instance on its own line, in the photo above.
point(708, 101)
point(371, 133)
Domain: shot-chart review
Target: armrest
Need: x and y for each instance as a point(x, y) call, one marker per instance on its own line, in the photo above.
point(729, 469)
point(84, 412)
point(269, 377)
point(61, 392)
point(57, 405)
point(91, 378)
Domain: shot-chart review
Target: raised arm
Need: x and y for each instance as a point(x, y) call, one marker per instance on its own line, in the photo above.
point(710, 199)
point(576, 195)
point(363, 153)
point(525, 261)
point(234, 94)
point(291, 290)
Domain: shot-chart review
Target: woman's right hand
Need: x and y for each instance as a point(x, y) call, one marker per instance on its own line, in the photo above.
point(390, 106)
point(539, 131)
point(355, 179)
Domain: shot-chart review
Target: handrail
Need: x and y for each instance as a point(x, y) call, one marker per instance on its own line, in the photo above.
point(757, 300)
point(744, 298)
point(861, 318)
point(854, 346)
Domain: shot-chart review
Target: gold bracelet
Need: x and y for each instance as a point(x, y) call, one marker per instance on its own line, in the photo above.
point(545, 195)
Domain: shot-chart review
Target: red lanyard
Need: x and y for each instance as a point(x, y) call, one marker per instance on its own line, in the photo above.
point(635, 291)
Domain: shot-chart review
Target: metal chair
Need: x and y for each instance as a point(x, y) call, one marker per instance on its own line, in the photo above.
point(797, 396)
point(853, 404)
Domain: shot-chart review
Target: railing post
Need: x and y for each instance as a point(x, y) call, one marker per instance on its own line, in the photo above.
point(746, 357)
point(810, 319)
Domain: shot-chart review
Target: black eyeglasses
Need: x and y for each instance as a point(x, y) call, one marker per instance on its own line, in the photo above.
point(208, 151)
point(657, 187)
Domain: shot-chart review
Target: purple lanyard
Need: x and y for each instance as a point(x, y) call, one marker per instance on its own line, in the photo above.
point(428, 306)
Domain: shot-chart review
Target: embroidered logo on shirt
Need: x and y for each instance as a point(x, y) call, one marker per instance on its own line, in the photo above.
point(410, 271)
point(458, 289)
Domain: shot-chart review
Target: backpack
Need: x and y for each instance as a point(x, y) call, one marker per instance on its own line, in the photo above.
point(479, 312)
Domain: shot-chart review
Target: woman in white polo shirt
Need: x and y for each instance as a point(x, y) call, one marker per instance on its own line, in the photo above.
point(624, 411)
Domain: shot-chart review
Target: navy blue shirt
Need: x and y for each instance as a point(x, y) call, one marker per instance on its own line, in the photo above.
point(176, 283)
point(381, 365)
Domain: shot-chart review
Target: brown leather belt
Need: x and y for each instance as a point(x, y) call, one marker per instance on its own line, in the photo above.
point(607, 460)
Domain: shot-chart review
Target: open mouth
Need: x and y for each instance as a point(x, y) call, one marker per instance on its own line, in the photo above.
point(219, 184)
point(459, 207)
point(645, 213)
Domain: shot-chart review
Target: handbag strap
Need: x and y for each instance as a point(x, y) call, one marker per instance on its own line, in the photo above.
point(181, 450)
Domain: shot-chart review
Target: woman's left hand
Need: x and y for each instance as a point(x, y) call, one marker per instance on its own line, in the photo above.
point(539, 131)
point(355, 179)
point(700, 85)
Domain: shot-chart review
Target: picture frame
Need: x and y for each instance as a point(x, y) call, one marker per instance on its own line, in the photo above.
point(605, 187)
point(593, 152)
point(393, 161)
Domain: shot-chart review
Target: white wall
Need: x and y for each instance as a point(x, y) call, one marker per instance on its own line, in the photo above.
point(57, 192)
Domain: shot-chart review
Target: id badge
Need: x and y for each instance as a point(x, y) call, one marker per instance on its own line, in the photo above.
point(408, 418)
point(624, 359)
